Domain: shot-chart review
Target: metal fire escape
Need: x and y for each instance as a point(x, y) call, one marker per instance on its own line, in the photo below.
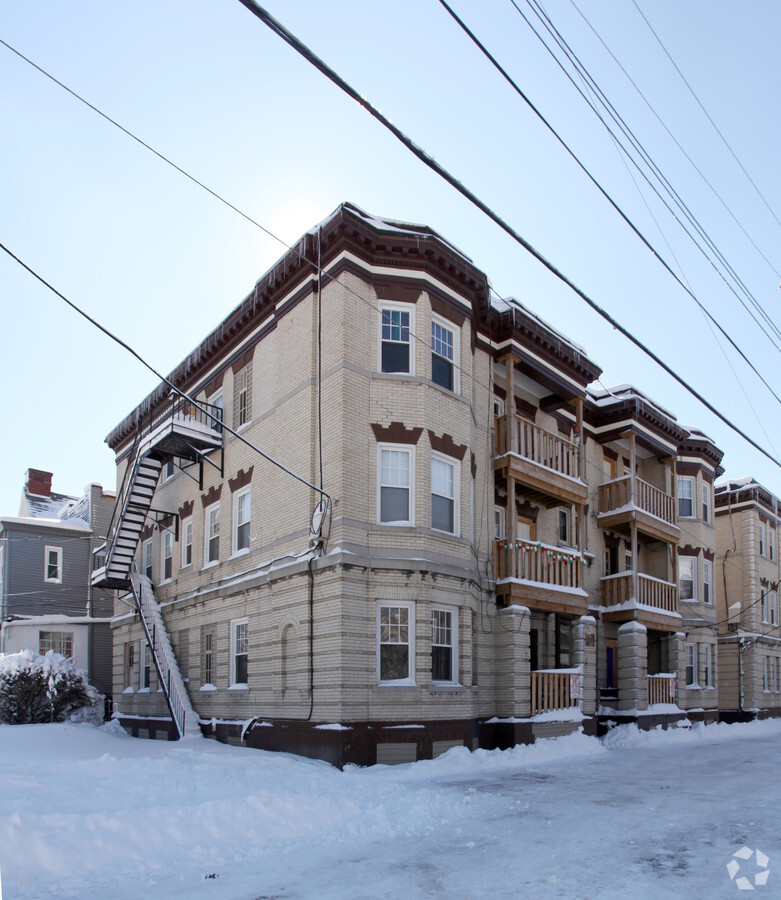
point(188, 435)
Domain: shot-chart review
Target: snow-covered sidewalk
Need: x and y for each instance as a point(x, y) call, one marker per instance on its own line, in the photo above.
point(89, 812)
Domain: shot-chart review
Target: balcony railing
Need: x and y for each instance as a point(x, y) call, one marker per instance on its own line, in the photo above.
point(554, 689)
point(616, 494)
point(533, 561)
point(661, 689)
point(617, 589)
point(538, 445)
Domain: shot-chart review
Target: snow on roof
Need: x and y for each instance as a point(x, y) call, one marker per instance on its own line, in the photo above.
point(40, 507)
point(736, 484)
point(608, 396)
point(40, 522)
point(698, 435)
point(504, 304)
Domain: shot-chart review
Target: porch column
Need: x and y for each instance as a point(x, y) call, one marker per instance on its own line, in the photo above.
point(582, 438)
point(632, 666)
point(511, 433)
point(513, 684)
point(585, 654)
point(676, 655)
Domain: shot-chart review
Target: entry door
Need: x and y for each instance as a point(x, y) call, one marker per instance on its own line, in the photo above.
point(611, 658)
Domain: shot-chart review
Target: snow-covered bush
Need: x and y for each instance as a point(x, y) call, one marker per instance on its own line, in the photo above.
point(35, 689)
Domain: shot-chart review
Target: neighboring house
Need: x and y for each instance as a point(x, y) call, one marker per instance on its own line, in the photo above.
point(748, 520)
point(48, 601)
point(496, 555)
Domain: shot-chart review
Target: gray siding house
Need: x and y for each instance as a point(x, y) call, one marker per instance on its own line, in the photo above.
point(46, 599)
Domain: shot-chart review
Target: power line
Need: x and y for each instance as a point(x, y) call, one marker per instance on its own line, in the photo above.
point(604, 193)
point(429, 161)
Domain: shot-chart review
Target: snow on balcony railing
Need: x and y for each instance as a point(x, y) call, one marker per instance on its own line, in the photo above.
point(538, 445)
point(553, 689)
point(617, 590)
point(616, 494)
point(661, 689)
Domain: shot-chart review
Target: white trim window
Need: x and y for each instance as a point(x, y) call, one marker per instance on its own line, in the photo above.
point(166, 556)
point(687, 578)
point(146, 667)
point(242, 396)
point(685, 497)
point(444, 354)
point(395, 485)
point(707, 502)
point(52, 571)
point(444, 646)
point(242, 504)
point(563, 532)
point(691, 666)
point(499, 523)
point(239, 651)
point(707, 582)
point(218, 401)
point(396, 642)
point(707, 665)
point(57, 642)
point(397, 325)
point(445, 481)
point(208, 656)
point(146, 558)
point(764, 605)
point(771, 546)
point(187, 542)
point(762, 540)
point(766, 674)
point(168, 469)
point(130, 667)
point(211, 550)
point(773, 604)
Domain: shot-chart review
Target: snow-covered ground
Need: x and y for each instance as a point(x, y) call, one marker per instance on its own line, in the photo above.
point(89, 812)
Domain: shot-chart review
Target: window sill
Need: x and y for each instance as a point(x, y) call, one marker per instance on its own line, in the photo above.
point(185, 566)
point(693, 687)
point(143, 691)
point(129, 690)
point(211, 565)
point(238, 553)
point(447, 688)
point(166, 581)
point(208, 689)
point(240, 688)
point(394, 686)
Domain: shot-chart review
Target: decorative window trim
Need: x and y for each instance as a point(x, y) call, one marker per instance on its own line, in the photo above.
point(52, 564)
point(382, 620)
point(409, 450)
point(437, 611)
point(239, 648)
point(385, 306)
point(455, 466)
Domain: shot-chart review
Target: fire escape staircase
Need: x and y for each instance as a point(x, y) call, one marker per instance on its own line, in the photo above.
point(188, 435)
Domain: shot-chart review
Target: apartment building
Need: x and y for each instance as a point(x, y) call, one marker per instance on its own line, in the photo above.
point(46, 599)
point(747, 592)
point(379, 512)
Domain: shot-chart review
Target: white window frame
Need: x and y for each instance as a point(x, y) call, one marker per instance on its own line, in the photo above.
point(692, 482)
point(764, 604)
point(169, 469)
point(707, 582)
point(766, 674)
point(563, 525)
point(692, 663)
point(145, 668)
point(693, 560)
point(187, 542)
point(208, 535)
point(455, 466)
point(56, 641)
point(147, 558)
point(707, 502)
point(237, 498)
point(57, 552)
point(455, 334)
point(209, 656)
point(500, 527)
point(762, 539)
point(773, 604)
point(707, 665)
point(218, 401)
point(166, 555)
point(237, 648)
point(771, 543)
point(243, 412)
point(436, 632)
point(409, 643)
point(409, 449)
point(397, 307)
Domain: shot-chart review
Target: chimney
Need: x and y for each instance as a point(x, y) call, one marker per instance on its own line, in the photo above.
point(38, 482)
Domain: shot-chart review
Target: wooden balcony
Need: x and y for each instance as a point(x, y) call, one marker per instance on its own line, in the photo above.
point(540, 576)
point(661, 689)
point(552, 689)
point(656, 603)
point(629, 499)
point(547, 464)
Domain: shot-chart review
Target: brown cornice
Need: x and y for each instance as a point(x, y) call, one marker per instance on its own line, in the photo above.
point(688, 550)
point(211, 496)
point(186, 509)
point(710, 454)
point(146, 532)
point(396, 433)
point(241, 480)
point(664, 430)
point(708, 554)
point(446, 445)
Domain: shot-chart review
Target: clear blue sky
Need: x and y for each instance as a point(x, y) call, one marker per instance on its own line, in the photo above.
point(160, 262)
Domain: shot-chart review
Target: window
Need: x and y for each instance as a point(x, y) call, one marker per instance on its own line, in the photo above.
point(761, 539)
point(395, 642)
point(499, 520)
point(706, 502)
point(764, 604)
point(707, 665)
point(187, 543)
point(53, 565)
point(208, 657)
point(146, 667)
point(691, 665)
point(444, 495)
point(168, 469)
point(217, 402)
point(773, 674)
point(444, 355)
point(772, 544)
point(395, 501)
point(212, 547)
point(146, 558)
point(396, 323)
point(242, 396)
point(130, 662)
point(167, 555)
point(444, 664)
point(707, 581)
point(687, 578)
point(239, 651)
point(685, 497)
point(57, 641)
point(772, 603)
point(563, 526)
point(628, 566)
point(765, 674)
point(241, 520)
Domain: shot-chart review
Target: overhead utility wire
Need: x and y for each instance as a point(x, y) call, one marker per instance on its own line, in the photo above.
point(162, 378)
point(707, 115)
point(647, 159)
point(429, 161)
point(599, 187)
point(661, 121)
